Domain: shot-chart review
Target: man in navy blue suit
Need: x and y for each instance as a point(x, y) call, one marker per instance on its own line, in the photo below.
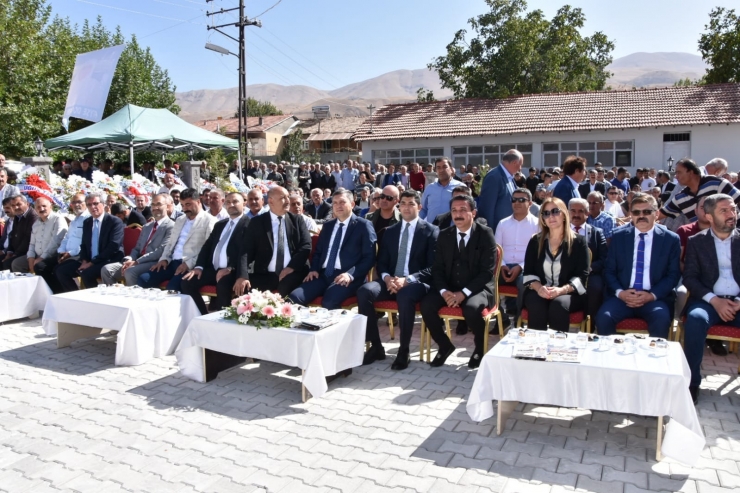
point(574, 169)
point(405, 261)
point(494, 201)
point(641, 272)
point(344, 255)
point(102, 244)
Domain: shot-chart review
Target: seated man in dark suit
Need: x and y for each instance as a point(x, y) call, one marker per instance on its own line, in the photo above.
point(318, 209)
point(219, 257)
point(462, 276)
point(641, 272)
point(344, 255)
point(102, 244)
point(578, 210)
point(405, 259)
point(712, 276)
point(19, 238)
point(277, 244)
point(591, 185)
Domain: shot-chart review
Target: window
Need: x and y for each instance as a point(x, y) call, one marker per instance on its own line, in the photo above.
point(608, 153)
point(304, 145)
point(683, 137)
point(488, 154)
point(399, 157)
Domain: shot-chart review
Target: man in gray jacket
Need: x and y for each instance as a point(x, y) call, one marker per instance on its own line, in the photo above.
point(148, 248)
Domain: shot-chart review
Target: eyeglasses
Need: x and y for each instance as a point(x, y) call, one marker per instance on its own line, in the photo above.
point(521, 200)
point(643, 212)
point(387, 197)
point(613, 193)
point(551, 212)
point(376, 198)
point(77, 202)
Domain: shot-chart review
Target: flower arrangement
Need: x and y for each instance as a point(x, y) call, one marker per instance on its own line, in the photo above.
point(261, 307)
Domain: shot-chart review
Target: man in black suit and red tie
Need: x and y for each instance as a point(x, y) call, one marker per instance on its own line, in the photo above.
point(277, 244)
point(219, 257)
point(462, 276)
point(405, 259)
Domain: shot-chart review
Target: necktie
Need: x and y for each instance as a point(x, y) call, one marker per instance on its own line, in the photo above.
point(280, 259)
point(334, 252)
point(578, 230)
point(95, 238)
point(640, 265)
point(151, 235)
point(221, 244)
point(462, 242)
point(401, 262)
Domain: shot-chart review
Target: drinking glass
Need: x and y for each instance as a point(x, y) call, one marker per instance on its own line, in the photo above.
point(581, 340)
point(605, 343)
point(512, 335)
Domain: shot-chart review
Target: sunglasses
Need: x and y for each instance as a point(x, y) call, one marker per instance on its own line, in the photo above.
point(613, 193)
point(387, 197)
point(551, 212)
point(521, 200)
point(643, 212)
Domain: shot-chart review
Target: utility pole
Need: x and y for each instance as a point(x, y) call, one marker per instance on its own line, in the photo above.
point(242, 112)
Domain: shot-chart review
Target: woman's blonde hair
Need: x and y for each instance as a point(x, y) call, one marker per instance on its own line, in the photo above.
point(568, 234)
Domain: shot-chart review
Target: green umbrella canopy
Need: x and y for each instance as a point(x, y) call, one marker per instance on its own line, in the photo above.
point(145, 129)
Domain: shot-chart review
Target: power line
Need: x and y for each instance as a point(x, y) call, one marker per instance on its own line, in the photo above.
point(266, 11)
point(140, 13)
point(178, 5)
point(173, 25)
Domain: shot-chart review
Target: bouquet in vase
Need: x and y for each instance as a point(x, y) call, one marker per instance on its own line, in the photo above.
point(261, 307)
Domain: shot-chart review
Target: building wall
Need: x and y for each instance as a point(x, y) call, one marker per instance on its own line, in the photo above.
point(706, 142)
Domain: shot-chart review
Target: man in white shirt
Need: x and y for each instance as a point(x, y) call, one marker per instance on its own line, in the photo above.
point(216, 201)
point(169, 183)
point(613, 205)
point(46, 236)
point(513, 234)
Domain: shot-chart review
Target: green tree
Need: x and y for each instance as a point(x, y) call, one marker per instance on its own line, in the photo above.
point(293, 146)
point(685, 82)
point(720, 46)
point(259, 108)
point(518, 52)
point(424, 95)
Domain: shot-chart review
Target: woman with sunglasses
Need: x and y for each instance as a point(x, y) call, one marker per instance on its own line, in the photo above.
point(556, 266)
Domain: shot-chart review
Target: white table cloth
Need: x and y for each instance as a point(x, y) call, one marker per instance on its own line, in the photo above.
point(320, 354)
point(637, 384)
point(146, 329)
point(22, 297)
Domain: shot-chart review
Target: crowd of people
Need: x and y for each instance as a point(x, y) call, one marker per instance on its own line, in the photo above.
point(654, 247)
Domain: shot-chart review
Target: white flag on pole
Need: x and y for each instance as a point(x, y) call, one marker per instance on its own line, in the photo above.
point(91, 81)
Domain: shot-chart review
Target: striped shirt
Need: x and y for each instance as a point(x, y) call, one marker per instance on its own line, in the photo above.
point(684, 202)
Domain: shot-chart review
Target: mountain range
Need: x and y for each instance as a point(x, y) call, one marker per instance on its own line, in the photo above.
point(634, 70)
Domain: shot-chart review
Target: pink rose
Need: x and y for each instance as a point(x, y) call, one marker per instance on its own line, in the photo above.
point(268, 311)
point(242, 309)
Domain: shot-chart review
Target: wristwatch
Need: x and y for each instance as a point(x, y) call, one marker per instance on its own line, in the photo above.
point(409, 279)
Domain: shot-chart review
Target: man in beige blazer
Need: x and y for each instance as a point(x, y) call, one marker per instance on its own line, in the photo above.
point(181, 250)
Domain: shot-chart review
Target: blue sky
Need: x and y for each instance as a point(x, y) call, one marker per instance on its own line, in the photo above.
point(331, 43)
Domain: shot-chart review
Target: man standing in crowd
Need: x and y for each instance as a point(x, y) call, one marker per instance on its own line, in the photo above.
point(666, 186)
point(255, 203)
point(46, 236)
point(148, 247)
point(405, 259)
point(578, 210)
point(277, 246)
point(318, 209)
point(216, 201)
point(348, 177)
point(715, 167)
point(417, 178)
point(437, 195)
point(532, 181)
point(391, 177)
point(218, 258)
point(598, 218)
point(102, 243)
point(513, 234)
point(181, 250)
point(462, 277)
point(592, 185)
point(20, 234)
point(498, 187)
point(641, 272)
point(620, 181)
point(574, 169)
point(647, 182)
point(387, 214)
point(613, 204)
point(6, 190)
point(712, 277)
point(344, 255)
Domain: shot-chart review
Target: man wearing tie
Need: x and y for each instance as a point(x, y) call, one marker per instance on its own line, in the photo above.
point(498, 187)
point(574, 169)
point(641, 273)
point(462, 277)
point(578, 210)
point(344, 255)
point(277, 244)
point(102, 243)
point(405, 261)
point(318, 209)
point(219, 257)
point(148, 247)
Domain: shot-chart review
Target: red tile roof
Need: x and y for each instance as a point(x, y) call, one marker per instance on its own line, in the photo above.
point(232, 124)
point(696, 105)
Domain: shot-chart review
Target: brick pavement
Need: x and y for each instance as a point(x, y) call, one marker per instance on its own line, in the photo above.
point(72, 421)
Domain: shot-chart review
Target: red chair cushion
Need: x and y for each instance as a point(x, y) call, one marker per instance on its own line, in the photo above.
point(163, 284)
point(457, 312)
point(575, 317)
point(508, 290)
point(208, 291)
point(724, 331)
point(633, 324)
point(130, 237)
point(391, 305)
point(351, 301)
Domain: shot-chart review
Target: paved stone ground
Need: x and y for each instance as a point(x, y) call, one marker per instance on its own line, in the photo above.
point(71, 421)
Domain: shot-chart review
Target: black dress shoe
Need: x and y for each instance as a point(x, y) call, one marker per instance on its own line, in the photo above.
point(402, 360)
point(717, 347)
point(694, 394)
point(462, 328)
point(372, 354)
point(442, 356)
point(475, 360)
